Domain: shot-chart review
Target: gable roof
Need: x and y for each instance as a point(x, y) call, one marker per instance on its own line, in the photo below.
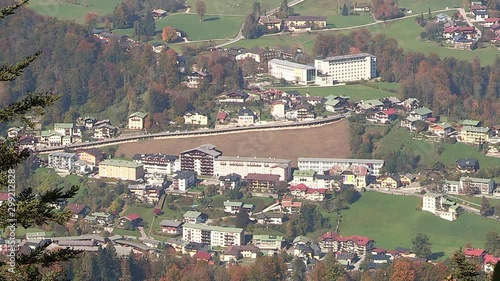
point(138, 114)
point(390, 111)
point(192, 214)
point(467, 162)
point(170, 223)
point(264, 177)
point(300, 186)
point(205, 148)
point(474, 252)
point(132, 217)
point(76, 208)
point(422, 111)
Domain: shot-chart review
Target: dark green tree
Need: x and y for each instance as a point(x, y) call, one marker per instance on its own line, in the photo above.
point(284, 11)
point(256, 10)
point(492, 244)
point(497, 210)
point(138, 29)
point(148, 22)
point(345, 10)
point(242, 219)
point(122, 16)
point(30, 209)
point(463, 269)
point(421, 245)
point(486, 209)
point(299, 269)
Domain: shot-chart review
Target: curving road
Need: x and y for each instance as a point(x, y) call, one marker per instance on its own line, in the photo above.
point(240, 36)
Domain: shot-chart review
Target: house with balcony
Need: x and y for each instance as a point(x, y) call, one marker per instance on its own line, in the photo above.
point(183, 180)
point(246, 117)
point(422, 113)
point(475, 135)
point(262, 182)
point(200, 159)
point(467, 165)
point(290, 205)
point(171, 226)
point(442, 130)
point(158, 163)
point(62, 161)
point(477, 185)
point(145, 193)
point(193, 217)
point(410, 123)
point(215, 236)
point(270, 218)
point(230, 181)
point(194, 118)
point(136, 120)
point(334, 242)
point(268, 242)
point(385, 116)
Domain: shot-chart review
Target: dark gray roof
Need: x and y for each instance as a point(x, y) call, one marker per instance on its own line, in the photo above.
point(230, 178)
point(245, 112)
point(467, 163)
point(170, 223)
point(184, 174)
point(155, 157)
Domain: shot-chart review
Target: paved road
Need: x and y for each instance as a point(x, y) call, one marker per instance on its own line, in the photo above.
point(467, 19)
point(240, 36)
point(240, 33)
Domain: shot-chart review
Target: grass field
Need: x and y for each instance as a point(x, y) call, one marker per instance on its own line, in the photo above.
point(234, 7)
point(418, 6)
point(213, 27)
point(392, 221)
point(63, 10)
point(400, 138)
point(333, 17)
point(356, 92)
point(476, 200)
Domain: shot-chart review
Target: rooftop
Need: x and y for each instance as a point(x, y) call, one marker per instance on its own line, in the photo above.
point(212, 228)
point(170, 223)
point(64, 125)
point(473, 123)
point(306, 173)
point(291, 64)
point(483, 130)
point(205, 148)
point(120, 163)
point(265, 237)
point(138, 114)
point(480, 180)
point(192, 214)
point(422, 111)
point(253, 159)
point(339, 160)
point(346, 57)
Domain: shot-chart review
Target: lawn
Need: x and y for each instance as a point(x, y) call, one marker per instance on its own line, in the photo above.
point(356, 92)
point(234, 7)
point(213, 27)
point(62, 10)
point(333, 18)
point(417, 6)
point(400, 138)
point(476, 200)
point(392, 221)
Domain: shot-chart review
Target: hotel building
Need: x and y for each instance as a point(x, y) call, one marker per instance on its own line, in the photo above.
point(214, 236)
point(225, 165)
point(292, 72)
point(345, 68)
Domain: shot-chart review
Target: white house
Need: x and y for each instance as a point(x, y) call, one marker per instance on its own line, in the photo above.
point(440, 206)
point(195, 119)
point(246, 117)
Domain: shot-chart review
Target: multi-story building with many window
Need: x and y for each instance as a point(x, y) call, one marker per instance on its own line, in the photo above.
point(200, 159)
point(121, 169)
point(440, 206)
point(334, 242)
point(62, 161)
point(262, 182)
point(345, 68)
point(158, 163)
point(225, 165)
point(468, 185)
point(292, 72)
point(214, 236)
point(475, 135)
point(320, 165)
point(268, 242)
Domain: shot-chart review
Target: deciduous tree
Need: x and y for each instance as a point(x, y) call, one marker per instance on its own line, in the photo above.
point(169, 34)
point(421, 245)
point(201, 9)
point(486, 209)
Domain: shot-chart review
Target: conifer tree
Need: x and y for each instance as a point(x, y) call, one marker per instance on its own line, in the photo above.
point(26, 208)
point(149, 25)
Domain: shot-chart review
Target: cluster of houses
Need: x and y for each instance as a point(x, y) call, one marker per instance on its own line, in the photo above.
point(293, 23)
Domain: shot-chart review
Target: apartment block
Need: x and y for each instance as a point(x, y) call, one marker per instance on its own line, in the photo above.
point(62, 161)
point(440, 206)
point(268, 242)
point(292, 72)
point(225, 165)
point(475, 135)
point(121, 169)
point(214, 236)
point(335, 242)
point(320, 165)
point(200, 159)
point(346, 68)
point(158, 163)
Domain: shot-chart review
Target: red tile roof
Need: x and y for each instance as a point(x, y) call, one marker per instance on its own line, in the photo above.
point(4, 196)
point(202, 255)
point(478, 7)
point(474, 252)
point(299, 186)
point(490, 259)
point(492, 20)
point(76, 208)
point(132, 217)
point(221, 115)
point(390, 111)
point(288, 202)
point(379, 250)
point(358, 240)
point(313, 190)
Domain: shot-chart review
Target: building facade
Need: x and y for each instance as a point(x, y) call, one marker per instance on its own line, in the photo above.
point(158, 163)
point(475, 135)
point(214, 236)
point(346, 68)
point(334, 242)
point(292, 72)
point(440, 206)
point(136, 120)
point(195, 119)
point(200, 160)
point(121, 169)
point(62, 161)
point(320, 165)
point(225, 165)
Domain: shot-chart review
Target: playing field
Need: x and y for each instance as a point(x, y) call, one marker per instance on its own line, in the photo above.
point(400, 138)
point(213, 27)
point(62, 10)
point(333, 16)
point(392, 221)
point(357, 92)
point(326, 141)
point(417, 6)
point(234, 7)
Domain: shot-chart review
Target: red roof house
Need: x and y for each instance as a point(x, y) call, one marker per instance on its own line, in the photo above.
point(202, 255)
point(132, 220)
point(474, 253)
point(221, 116)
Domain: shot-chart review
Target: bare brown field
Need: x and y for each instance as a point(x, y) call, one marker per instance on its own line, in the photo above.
point(326, 141)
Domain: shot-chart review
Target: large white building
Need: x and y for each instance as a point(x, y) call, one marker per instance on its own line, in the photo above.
point(345, 68)
point(468, 184)
point(225, 165)
point(292, 72)
point(440, 206)
point(320, 165)
point(214, 236)
point(158, 163)
point(62, 161)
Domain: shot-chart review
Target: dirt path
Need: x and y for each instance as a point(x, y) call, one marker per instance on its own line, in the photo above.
point(326, 141)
